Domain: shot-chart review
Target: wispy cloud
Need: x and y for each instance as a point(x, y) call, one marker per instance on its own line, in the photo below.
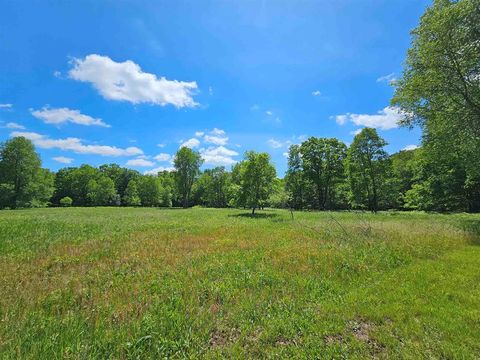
point(140, 162)
point(316, 93)
point(13, 125)
point(390, 79)
point(6, 106)
point(274, 143)
point(76, 145)
point(63, 159)
point(64, 115)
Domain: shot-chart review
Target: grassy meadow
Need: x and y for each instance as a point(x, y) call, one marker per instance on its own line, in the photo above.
point(153, 283)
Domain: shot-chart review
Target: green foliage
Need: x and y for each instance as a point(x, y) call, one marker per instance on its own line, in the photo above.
point(212, 188)
point(149, 190)
point(101, 192)
point(187, 167)
point(255, 176)
point(369, 172)
point(323, 167)
point(22, 181)
point(131, 196)
point(440, 90)
point(66, 201)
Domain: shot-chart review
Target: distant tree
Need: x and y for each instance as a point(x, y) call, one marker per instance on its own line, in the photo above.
point(22, 182)
point(279, 198)
point(149, 190)
point(41, 189)
point(323, 166)
point(167, 183)
point(295, 182)
point(101, 192)
point(212, 188)
point(120, 176)
point(256, 177)
point(187, 167)
point(368, 166)
point(66, 201)
point(131, 196)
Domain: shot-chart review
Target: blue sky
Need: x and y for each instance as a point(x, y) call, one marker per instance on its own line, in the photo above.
point(130, 81)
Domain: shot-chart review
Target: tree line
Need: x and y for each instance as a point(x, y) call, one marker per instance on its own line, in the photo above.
point(323, 174)
point(439, 91)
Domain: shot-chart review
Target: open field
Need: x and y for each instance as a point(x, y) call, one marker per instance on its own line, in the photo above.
point(210, 283)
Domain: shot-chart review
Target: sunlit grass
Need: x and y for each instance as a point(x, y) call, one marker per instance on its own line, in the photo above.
point(150, 283)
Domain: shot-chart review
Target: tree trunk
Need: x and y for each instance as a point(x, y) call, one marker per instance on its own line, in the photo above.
point(253, 210)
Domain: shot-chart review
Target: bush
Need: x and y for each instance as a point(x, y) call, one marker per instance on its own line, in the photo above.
point(66, 201)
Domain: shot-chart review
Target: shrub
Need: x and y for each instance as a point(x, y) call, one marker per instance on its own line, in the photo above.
point(66, 201)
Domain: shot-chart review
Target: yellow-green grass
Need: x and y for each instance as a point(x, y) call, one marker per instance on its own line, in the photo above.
point(207, 283)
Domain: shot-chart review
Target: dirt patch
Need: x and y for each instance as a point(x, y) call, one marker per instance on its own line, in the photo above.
point(333, 339)
point(361, 331)
point(223, 337)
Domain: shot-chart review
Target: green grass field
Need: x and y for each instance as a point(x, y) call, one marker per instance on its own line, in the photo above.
point(208, 283)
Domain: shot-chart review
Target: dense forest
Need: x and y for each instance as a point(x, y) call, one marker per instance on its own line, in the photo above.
point(439, 91)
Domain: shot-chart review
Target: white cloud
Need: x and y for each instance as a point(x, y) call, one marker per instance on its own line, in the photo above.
point(163, 157)
point(161, 145)
point(341, 119)
point(76, 145)
point(356, 132)
point(274, 143)
point(316, 93)
point(219, 156)
point(63, 115)
point(190, 143)
point(385, 119)
point(210, 90)
point(269, 112)
point(125, 81)
point(217, 137)
point(199, 133)
point(63, 159)
point(156, 170)
point(140, 162)
point(410, 147)
point(6, 106)
point(390, 78)
point(285, 154)
point(12, 125)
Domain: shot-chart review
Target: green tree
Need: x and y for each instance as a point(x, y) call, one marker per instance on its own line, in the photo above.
point(440, 91)
point(101, 192)
point(256, 176)
point(187, 167)
point(323, 166)
point(23, 182)
point(212, 188)
point(295, 182)
point(442, 71)
point(131, 196)
point(149, 190)
point(368, 167)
